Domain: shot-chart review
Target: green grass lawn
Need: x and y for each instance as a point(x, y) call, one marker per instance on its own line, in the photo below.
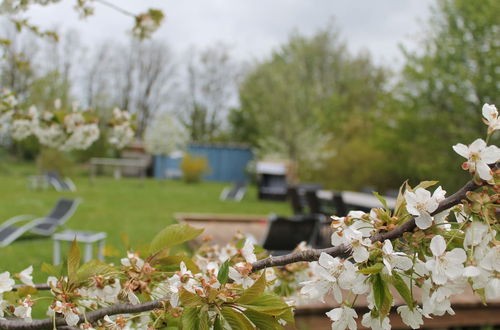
point(127, 206)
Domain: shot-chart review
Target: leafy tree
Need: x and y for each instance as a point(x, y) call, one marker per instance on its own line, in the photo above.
point(443, 86)
point(302, 102)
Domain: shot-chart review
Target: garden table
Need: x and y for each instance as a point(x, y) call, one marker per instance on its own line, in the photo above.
point(118, 164)
point(86, 237)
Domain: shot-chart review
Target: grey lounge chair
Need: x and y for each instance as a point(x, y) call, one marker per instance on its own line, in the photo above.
point(59, 183)
point(46, 226)
point(235, 192)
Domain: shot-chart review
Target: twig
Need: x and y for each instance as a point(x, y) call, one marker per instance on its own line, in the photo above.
point(39, 287)
point(115, 7)
point(91, 316)
point(342, 250)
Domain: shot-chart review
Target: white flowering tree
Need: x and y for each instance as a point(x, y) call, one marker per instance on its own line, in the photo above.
point(59, 128)
point(430, 243)
point(165, 135)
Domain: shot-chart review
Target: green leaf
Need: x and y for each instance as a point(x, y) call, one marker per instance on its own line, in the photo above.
point(189, 299)
point(218, 323)
point(425, 184)
point(287, 316)
point(381, 295)
point(26, 290)
point(374, 269)
point(223, 274)
point(176, 260)
point(93, 268)
point(269, 304)
point(252, 293)
point(173, 235)
point(403, 289)
point(236, 319)
point(194, 318)
point(51, 269)
point(11, 297)
point(262, 321)
point(73, 261)
point(381, 199)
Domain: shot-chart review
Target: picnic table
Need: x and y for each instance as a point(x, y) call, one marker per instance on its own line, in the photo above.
point(118, 164)
point(357, 199)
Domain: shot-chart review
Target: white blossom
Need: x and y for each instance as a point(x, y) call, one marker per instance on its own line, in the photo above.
point(491, 118)
point(133, 260)
point(6, 283)
point(23, 310)
point(475, 233)
point(412, 318)
point(247, 252)
point(491, 260)
point(343, 318)
point(25, 276)
point(478, 157)
point(238, 278)
point(375, 323)
point(21, 129)
point(445, 265)
point(393, 259)
point(421, 203)
point(327, 272)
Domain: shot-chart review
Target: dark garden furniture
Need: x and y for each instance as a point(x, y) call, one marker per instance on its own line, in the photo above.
point(284, 234)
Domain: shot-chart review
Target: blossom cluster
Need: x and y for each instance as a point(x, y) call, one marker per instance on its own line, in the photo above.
point(454, 248)
point(59, 128)
point(449, 246)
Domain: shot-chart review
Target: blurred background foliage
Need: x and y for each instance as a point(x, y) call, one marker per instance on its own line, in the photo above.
point(346, 121)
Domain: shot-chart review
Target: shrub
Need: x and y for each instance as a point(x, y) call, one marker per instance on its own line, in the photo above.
point(193, 167)
point(54, 160)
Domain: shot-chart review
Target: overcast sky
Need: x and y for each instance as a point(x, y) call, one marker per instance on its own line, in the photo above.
point(253, 28)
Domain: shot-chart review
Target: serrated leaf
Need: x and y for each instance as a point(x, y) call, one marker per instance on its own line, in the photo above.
point(51, 269)
point(403, 289)
point(73, 261)
point(173, 235)
point(374, 269)
point(93, 268)
point(223, 274)
point(194, 318)
point(189, 299)
point(26, 290)
point(236, 320)
point(269, 304)
point(262, 321)
point(176, 260)
point(252, 293)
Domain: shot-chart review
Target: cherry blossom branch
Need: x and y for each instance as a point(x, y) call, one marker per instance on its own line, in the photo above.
point(345, 251)
point(90, 317)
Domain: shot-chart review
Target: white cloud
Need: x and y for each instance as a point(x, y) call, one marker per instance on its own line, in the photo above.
point(252, 28)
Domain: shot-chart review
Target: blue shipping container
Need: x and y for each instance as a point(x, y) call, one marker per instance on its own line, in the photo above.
point(227, 163)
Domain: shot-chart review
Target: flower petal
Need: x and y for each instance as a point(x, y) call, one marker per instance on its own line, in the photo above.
point(462, 150)
point(438, 245)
